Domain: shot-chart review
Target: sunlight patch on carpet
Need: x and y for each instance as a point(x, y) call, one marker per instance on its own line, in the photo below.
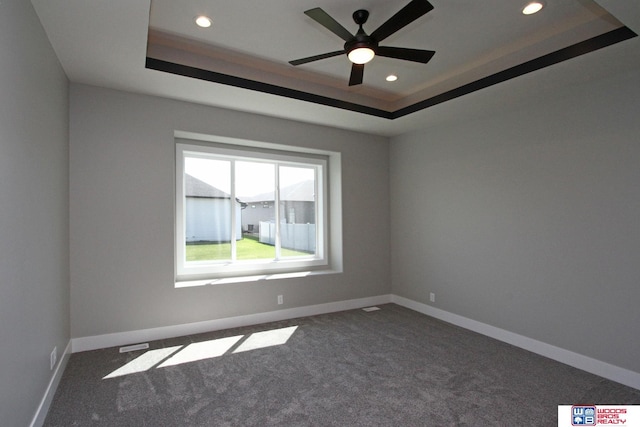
point(172, 356)
point(202, 350)
point(144, 362)
point(266, 339)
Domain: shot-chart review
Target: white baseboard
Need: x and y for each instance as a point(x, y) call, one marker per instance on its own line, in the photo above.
point(144, 335)
point(597, 367)
point(45, 403)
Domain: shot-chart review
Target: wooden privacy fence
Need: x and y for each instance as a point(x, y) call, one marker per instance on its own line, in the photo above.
point(299, 237)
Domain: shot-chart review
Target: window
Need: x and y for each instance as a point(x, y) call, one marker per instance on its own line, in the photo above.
point(248, 210)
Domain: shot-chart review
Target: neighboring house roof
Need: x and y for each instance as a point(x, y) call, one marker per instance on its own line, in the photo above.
point(303, 191)
point(193, 187)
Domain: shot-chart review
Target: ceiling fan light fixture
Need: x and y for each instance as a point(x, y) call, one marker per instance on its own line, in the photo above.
point(361, 55)
point(533, 7)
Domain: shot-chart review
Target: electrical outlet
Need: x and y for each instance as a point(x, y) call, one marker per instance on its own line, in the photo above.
point(53, 358)
point(280, 299)
point(432, 297)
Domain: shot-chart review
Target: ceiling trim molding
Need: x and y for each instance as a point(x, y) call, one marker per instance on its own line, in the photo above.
point(578, 49)
point(590, 45)
point(225, 79)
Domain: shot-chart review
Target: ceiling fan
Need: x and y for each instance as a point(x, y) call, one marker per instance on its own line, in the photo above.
point(361, 48)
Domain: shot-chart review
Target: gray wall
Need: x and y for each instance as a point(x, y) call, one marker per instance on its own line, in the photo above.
point(122, 214)
point(529, 220)
point(34, 244)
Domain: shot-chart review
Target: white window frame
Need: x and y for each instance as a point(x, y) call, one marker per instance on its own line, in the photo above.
point(328, 257)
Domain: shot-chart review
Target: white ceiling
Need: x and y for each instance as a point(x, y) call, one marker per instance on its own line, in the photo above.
point(105, 43)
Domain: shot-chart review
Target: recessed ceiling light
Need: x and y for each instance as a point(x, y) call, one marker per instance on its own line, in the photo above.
point(203, 21)
point(392, 78)
point(532, 8)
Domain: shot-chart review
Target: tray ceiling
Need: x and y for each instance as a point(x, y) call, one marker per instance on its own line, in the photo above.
point(477, 44)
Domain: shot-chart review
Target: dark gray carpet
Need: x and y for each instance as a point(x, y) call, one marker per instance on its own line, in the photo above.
point(392, 367)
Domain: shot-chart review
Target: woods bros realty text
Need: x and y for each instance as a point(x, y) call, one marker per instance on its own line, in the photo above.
point(597, 415)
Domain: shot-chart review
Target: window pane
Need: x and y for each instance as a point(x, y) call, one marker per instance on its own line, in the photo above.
point(207, 185)
point(256, 189)
point(244, 212)
point(298, 210)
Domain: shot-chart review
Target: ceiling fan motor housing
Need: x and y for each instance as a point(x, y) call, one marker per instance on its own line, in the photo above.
point(361, 39)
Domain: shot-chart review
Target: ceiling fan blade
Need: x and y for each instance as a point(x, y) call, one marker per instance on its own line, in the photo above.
point(316, 57)
point(357, 73)
point(414, 55)
point(323, 18)
point(414, 10)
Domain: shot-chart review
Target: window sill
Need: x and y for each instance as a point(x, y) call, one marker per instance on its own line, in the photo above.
point(256, 278)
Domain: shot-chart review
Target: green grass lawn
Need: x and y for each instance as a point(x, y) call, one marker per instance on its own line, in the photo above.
point(247, 248)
